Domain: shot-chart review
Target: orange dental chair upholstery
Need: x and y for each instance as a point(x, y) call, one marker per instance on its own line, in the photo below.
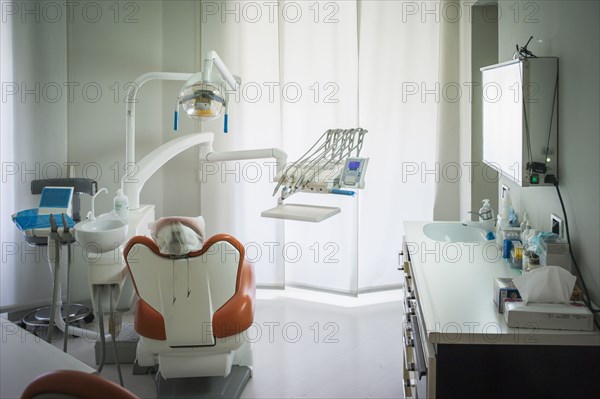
point(72, 384)
point(191, 315)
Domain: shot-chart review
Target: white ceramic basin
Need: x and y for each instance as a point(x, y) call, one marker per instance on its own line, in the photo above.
point(453, 232)
point(101, 235)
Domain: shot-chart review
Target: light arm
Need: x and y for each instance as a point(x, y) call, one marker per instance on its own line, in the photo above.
point(212, 58)
point(130, 107)
point(133, 184)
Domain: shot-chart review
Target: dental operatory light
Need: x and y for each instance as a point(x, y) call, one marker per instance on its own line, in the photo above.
point(204, 96)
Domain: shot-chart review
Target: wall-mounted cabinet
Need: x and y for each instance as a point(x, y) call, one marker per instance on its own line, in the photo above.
point(520, 119)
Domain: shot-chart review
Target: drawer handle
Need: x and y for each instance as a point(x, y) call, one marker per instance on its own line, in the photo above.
point(419, 355)
point(408, 310)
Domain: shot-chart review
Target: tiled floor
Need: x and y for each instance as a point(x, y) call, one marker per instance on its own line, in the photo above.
point(307, 349)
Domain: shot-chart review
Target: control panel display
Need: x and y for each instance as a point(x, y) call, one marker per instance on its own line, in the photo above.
point(353, 175)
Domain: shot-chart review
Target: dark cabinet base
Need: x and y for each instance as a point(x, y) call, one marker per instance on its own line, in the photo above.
point(517, 371)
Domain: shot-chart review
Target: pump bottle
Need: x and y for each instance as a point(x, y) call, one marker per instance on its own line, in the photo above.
point(121, 205)
point(486, 212)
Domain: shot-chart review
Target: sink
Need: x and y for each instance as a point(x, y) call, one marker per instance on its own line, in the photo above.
point(454, 232)
point(101, 235)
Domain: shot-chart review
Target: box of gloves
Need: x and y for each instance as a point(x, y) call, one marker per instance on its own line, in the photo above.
point(553, 316)
point(504, 288)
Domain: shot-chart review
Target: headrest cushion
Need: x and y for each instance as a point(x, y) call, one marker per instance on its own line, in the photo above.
point(178, 235)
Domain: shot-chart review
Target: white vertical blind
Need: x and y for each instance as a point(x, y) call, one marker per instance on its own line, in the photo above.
point(319, 58)
point(233, 194)
point(334, 64)
point(398, 64)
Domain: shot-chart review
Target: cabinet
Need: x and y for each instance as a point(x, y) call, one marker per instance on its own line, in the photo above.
point(419, 357)
point(457, 346)
point(520, 119)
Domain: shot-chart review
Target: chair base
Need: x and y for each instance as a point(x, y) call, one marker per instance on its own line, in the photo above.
point(206, 387)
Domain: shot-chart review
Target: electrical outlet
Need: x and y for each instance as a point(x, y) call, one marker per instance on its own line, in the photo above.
point(556, 225)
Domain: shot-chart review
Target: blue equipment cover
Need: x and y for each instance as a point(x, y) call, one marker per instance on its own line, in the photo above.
point(29, 220)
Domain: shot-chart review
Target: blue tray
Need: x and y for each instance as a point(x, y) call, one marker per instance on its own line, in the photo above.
point(29, 220)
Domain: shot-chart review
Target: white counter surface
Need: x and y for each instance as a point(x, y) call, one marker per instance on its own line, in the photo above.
point(454, 282)
point(24, 357)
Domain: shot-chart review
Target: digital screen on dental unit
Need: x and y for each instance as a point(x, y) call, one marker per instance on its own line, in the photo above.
point(56, 197)
point(353, 165)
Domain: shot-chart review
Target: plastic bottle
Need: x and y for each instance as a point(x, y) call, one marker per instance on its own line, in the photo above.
point(121, 205)
point(525, 228)
point(499, 232)
point(506, 205)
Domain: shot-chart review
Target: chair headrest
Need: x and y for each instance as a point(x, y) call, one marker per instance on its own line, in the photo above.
point(178, 235)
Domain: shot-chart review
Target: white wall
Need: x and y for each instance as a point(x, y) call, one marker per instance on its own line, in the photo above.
point(485, 52)
point(34, 139)
point(180, 53)
point(142, 37)
point(108, 53)
point(570, 31)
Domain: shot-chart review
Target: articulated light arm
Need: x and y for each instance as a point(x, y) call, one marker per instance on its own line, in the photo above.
point(212, 58)
point(130, 107)
point(206, 154)
point(133, 183)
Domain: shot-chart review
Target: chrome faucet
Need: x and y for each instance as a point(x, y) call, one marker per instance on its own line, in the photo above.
point(91, 215)
point(486, 218)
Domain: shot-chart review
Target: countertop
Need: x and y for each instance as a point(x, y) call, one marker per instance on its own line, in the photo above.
point(25, 357)
point(455, 284)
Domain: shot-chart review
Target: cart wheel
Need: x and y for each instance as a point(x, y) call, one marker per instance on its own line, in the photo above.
point(89, 318)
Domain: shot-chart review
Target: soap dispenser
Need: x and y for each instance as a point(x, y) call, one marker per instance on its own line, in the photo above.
point(486, 212)
point(121, 205)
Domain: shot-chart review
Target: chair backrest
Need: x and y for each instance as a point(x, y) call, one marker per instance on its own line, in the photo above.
point(186, 291)
point(71, 384)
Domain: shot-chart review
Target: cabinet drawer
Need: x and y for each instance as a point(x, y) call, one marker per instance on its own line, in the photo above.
point(408, 385)
point(409, 307)
point(409, 360)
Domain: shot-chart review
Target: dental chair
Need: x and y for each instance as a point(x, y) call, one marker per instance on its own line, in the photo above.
point(192, 311)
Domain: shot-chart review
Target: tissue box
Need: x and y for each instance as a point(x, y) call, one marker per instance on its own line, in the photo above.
point(553, 316)
point(503, 289)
